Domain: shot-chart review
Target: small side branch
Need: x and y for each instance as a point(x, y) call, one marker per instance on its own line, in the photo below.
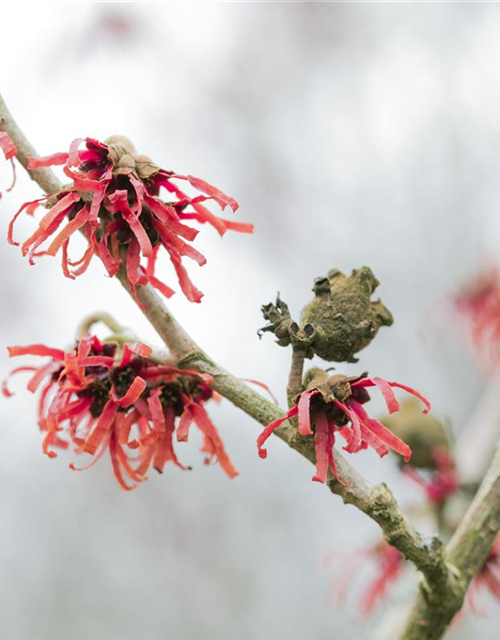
point(467, 553)
point(294, 386)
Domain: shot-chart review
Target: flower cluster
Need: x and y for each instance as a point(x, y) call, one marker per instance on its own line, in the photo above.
point(9, 151)
point(114, 199)
point(334, 404)
point(101, 397)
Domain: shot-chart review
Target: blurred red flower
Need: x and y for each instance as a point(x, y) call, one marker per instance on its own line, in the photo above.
point(114, 199)
point(487, 579)
point(478, 305)
point(388, 563)
point(441, 482)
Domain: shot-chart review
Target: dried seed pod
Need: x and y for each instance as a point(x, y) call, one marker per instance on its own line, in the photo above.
point(280, 321)
point(344, 317)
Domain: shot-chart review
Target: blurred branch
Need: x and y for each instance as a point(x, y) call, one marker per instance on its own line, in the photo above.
point(476, 442)
point(100, 317)
point(376, 502)
point(467, 552)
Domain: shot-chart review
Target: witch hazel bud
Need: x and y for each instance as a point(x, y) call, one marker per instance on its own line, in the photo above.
point(334, 405)
point(115, 200)
point(423, 432)
point(344, 318)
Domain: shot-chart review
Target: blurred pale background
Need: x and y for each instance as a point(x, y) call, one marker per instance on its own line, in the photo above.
point(351, 134)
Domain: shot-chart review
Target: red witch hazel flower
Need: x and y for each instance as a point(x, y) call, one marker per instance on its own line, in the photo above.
point(9, 151)
point(440, 483)
point(389, 565)
point(334, 404)
point(114, 199)
point(101, 397)
point(479, 307)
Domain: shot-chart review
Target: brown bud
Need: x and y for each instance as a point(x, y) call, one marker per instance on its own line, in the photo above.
point(122, 154)
point(120, 145)
point(331, 388)
point(145, 167)
point(422, 432)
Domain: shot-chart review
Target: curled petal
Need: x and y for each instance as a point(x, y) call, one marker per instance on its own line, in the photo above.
point(354, 444)
point(414, 392)
point(387, 437)
point(388, 393)
point(385, 388)
point(221, 198)
point(271, 428)
point(30, 209)
point(241, 227)
point(205, 425)
point(7, 146)
point(104, 424)
point(304, 412)
point(134, 392)
point(120, 200)
point(161, 287)
point(183, 427)
point(115, 461)
point(164, 446)
point(137, 348)
point(78, 221)
point(5, 390)
point(48, 161)
point(264, 386)
point(36, 350)
point(97, 456)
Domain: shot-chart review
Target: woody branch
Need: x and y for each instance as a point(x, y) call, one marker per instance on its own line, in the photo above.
point(428, 555)
point(466, 553)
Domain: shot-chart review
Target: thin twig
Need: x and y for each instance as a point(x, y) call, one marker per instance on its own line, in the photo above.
point(294, 386)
